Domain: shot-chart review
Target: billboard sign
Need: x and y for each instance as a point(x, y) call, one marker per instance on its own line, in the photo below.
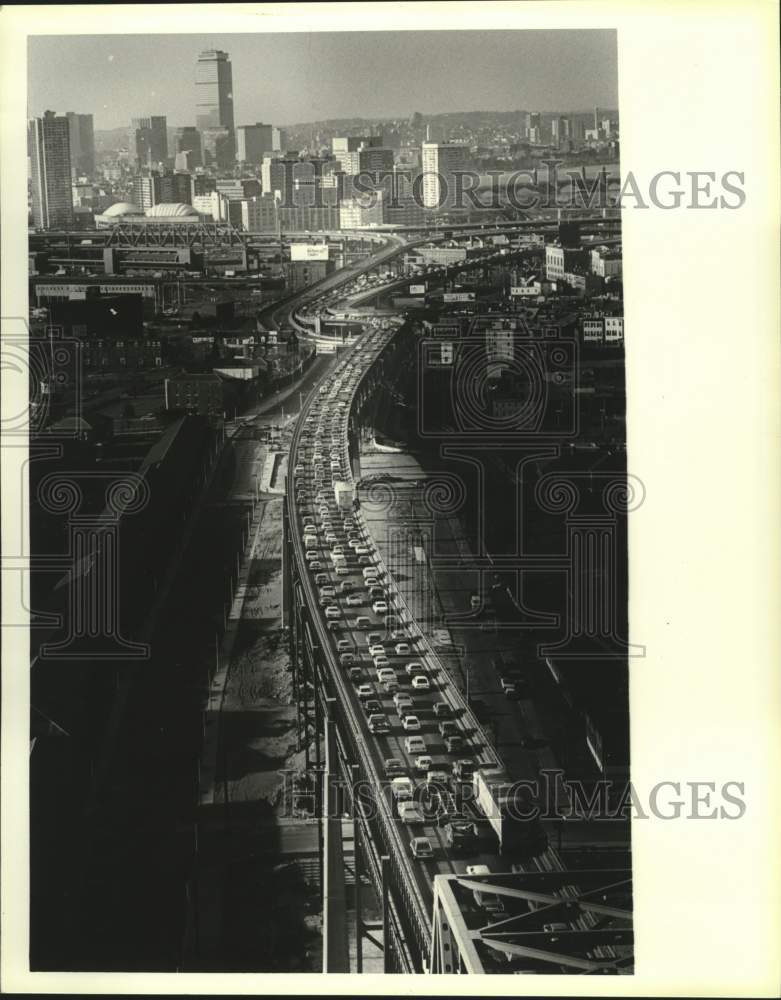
point(308, 251)
point(417, 289)
point(458, 297)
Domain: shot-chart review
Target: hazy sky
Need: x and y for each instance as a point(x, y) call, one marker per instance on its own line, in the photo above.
point(289, 78)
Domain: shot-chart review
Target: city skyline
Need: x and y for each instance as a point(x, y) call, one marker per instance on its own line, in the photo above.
point(518, 70)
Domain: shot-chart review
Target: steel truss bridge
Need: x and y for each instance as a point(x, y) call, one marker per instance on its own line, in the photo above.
point(548, 922)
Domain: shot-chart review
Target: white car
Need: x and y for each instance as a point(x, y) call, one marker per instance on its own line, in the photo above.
point(410, 812)
point(344, 646)
point(419, 683)
point(402, 698)
point(415, 667)
point(402, 649)
point(411, 723)
point(365, 691)
point(423, 763)
point(327, 591)
point(377, 649)
point(354, 600)
point(380, 608)
point(333, 612)
point(311, 554)
point(415, 744)
point(341, 570)
point(401, 787)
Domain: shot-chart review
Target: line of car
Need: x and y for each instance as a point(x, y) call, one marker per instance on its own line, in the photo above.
point(376, 649)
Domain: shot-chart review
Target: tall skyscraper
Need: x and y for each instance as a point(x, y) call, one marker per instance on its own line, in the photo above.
point(148, 140)
point(82, 140)
point(214, 90)
point(48, 141)
point(439, 162)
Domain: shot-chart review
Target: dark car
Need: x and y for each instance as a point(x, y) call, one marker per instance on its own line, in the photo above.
point(372, 706)
point(442, 710)
point(378, 724)
point(454, 743)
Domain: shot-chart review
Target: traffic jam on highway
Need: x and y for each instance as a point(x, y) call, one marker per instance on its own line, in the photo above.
point(444, 783)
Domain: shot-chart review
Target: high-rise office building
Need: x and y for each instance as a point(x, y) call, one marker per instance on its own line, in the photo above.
point(439, 163)
point(357, 213)
point(188, 140)
point(148, 140)
point(346, 150)
point(48, 140)
point(214, 97)
point(366, 159)
point(218, 147)
point(259, 214)
point(375, 159)
point(202, 184)
point(272, 174)
point(564, 128)
point(533, 121)
point(253, 142)
point(151, 188)
point(82, 141)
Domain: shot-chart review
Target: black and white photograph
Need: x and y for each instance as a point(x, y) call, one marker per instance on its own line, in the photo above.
point(337, 564)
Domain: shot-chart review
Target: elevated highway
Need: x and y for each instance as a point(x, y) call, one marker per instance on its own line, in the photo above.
point(362, 666)
point(335, 669)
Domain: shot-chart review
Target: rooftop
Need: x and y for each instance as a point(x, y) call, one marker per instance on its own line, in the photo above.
point(170, 210)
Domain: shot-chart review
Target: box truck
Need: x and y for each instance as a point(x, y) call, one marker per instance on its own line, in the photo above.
point(509, 810)
point(344, 494)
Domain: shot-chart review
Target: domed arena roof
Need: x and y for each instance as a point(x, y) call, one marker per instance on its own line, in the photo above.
point(122, 208)
point(169, 210)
